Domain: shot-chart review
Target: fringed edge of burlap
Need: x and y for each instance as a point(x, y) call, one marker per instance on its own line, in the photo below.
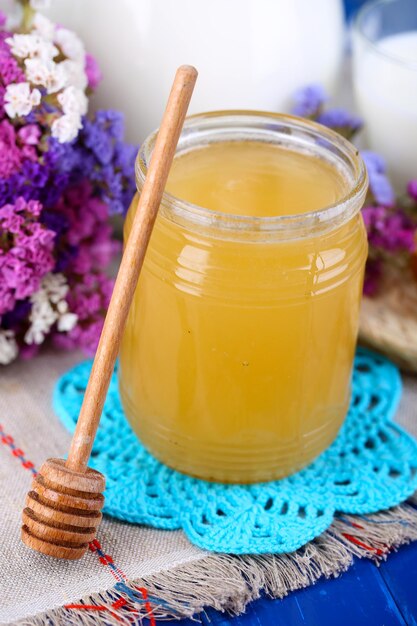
point(229, 583)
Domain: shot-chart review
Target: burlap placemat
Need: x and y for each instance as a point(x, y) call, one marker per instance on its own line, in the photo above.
point(132, 569)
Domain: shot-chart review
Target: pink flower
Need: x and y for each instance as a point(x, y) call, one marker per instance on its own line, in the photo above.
point(29, 152)
point(10, 72)
point(373, 275)
point(412, 189)
point(10, 156)
point(92, 70)
point(26, 252)
point(7, 298)
point(89, 300)
point(89, 229)
point(29, 134)
point(390, 230)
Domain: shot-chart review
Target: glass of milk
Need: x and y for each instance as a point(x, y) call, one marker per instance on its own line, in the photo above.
point(385, 81)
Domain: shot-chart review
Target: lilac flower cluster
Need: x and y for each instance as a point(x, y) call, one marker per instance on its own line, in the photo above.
point(42, 170)
point(380, 188)
point(340, 120)
point(88, 299)
point(26, 252)
point(10, 71)
point(62, 174)
point(391, 222)
point(310, 101)
point(412, 190)
point(110, 161)
point(393, 231)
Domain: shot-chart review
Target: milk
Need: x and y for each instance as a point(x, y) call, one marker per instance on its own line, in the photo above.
point(249, 53)
point(385, 80)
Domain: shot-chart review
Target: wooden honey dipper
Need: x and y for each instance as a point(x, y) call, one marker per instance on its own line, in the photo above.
point(63, 510)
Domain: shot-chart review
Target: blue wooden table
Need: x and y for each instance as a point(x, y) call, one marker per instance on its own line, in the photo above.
point(365, 595)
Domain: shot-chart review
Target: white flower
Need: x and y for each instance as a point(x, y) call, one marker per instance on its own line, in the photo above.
point(46, 49)
point(67, 322)
point(56, 287)
point(70, 44)
point(8, 347)
point(75, 73)
point(40, 5)
point(19, 99)
point(62, 306)
point(42, 318)
point(47, 73)
point(32, 46)
point(73, 101)
point(66, 127)
point(23, 45)
point(44, 27)
point(49, 307)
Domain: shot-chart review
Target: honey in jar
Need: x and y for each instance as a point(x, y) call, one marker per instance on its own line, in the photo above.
point(237, 357)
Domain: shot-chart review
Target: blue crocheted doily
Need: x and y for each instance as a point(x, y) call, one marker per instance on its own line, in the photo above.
point(372, 465)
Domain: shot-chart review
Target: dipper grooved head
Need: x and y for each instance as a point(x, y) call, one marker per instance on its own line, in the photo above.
point(63, 510)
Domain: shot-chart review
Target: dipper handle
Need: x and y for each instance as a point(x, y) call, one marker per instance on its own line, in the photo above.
point(130, 267)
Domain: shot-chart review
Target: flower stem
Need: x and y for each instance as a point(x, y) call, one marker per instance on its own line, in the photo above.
point(27, 17)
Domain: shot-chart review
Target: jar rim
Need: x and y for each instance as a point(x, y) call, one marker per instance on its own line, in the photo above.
point(358, 25)
point(285, 226)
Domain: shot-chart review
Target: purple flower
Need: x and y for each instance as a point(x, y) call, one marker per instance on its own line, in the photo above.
point(52, 192)
point(85, 241)
point(94, 75)
point(54, 220)
point(379, 184)
point(309, 100)
point(98, 140)
point(412, 189)
point(340, 119)
point(381, 189)
point(374, 162)
point(10, 156)
point(29, 134)
point(124, 159)
point(35, 173)
point(55, 201)
point(88, 298)
point(17, 315)
point(65, 257)
point(373, 273)
point(389, 230)
point(112, 122)
point(10, 72)
point(106, 160)
point(62, 157)
point(26, 252)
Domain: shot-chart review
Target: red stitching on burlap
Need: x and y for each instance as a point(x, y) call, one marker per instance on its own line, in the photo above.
point(148, 606)
point(361, 544)
point(93, 607)
point(8, 441)
point(95, 547)
point(119, 575)
point(107, 560)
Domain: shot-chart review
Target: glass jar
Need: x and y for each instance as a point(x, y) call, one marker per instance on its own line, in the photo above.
point(237, 356)
point(385, 83)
